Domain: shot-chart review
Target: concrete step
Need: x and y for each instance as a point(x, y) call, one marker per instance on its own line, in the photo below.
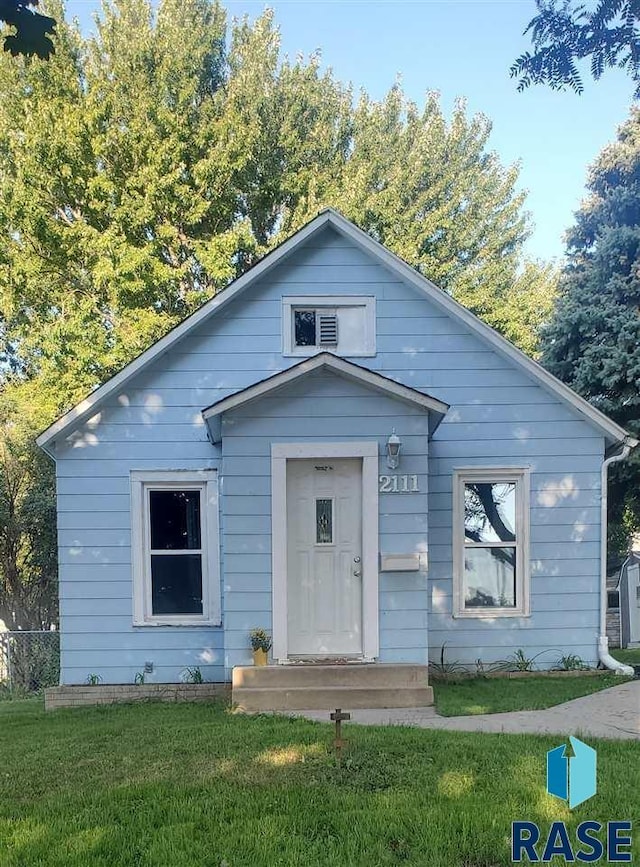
point(361, 675)
point(255, 700)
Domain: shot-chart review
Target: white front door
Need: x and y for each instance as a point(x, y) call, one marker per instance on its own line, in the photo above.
point(324, 557)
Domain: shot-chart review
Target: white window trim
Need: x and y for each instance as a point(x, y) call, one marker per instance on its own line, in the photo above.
point(206, 481)
point(520, 475)
point(332, 302)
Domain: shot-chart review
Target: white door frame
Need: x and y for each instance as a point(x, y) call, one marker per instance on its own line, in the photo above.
point(280, 453)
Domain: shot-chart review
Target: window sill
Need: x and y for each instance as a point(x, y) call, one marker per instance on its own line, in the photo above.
point(316, 350)
point(190, 624)
point(491, 614)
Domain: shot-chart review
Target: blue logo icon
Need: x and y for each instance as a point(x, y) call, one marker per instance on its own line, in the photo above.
point(572, 777)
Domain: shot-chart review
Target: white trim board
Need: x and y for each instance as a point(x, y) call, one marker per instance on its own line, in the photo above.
point(609, 429)
point(317, 301)
point(330, 362)
point(205, 481)
point(493, 474)
point(280, 453)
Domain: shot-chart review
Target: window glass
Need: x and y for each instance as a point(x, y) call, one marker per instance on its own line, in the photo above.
point(491, 569)
point(304, 327)
point(489, 577)
point(175, 520)
point(490, 512)
point(176, 584)
point(324, 522)
point(175, 537)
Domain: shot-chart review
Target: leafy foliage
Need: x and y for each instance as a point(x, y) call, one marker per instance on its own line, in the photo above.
point(593, 341)
point(140, 176)
point(571, 662)
point(564, 33)
point(28, 586)
point(260, 639)
point(520, 661)
point(193, 674)
point(32, 30)
point(445, 669)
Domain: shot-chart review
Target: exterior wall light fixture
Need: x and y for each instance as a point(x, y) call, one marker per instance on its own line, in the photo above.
point(394, 444)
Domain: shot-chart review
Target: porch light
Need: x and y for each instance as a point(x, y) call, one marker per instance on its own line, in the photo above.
point(394, 444)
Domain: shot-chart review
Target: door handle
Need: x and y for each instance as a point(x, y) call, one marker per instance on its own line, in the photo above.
point(357, 573)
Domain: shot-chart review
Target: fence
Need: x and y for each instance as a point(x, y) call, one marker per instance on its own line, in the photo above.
point(29, 661)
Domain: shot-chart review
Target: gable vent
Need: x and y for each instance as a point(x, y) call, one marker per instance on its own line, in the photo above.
point(327, 329)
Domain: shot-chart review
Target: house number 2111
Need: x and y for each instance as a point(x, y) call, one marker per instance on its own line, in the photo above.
point(398, 484)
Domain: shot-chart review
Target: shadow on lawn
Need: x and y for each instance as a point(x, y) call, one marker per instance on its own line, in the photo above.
point(184, 785)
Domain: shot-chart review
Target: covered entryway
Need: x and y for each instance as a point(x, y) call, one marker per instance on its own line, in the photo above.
point(325, 545)
point(324, 558)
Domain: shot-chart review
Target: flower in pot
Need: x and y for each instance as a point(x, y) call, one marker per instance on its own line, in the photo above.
point(261, 645)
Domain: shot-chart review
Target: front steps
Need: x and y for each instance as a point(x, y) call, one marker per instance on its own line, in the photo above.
point(325, 687)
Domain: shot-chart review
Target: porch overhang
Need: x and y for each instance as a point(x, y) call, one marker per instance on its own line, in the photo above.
point(436, 409)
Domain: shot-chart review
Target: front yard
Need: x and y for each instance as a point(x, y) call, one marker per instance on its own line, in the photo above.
point(631, 656)
point(194, 785)
point(463, 696)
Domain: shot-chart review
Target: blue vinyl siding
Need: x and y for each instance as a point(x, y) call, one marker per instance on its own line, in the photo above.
point(247, 436)
point(498, 416)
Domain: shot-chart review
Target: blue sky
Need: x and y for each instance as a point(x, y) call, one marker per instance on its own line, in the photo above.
point(461, 48)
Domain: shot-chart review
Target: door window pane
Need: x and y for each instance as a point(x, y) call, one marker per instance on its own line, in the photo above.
point(324, 522)
point(304, 327)
point(175, 520)
point(489, 577)
point(176, 584)
point(490, 512)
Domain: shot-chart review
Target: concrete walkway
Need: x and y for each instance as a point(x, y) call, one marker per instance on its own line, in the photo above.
point(610, 713)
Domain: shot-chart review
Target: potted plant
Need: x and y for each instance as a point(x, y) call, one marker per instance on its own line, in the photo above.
point(261, 645)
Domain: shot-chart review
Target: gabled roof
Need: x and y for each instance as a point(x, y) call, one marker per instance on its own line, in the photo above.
point(89, 406)
point(340, 367)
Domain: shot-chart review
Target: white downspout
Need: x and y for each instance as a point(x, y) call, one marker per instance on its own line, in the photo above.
point(603, 641)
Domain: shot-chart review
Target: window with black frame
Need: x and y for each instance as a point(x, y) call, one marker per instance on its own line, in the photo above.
point(175, 552)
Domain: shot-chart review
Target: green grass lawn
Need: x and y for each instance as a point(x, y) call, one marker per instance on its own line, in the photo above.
point(497, 695)
point(631, 657)
point(180, 784)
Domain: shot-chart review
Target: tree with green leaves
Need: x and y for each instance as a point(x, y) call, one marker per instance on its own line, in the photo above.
point(33, 30)
point(140, 176)
point(28, 568)
point(565, 32)
point(593, 341)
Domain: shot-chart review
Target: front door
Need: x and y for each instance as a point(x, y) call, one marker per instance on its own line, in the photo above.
point(324, 557)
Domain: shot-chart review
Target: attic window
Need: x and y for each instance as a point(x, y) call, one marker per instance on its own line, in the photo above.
point(305, 327)
point(315, 327)
point(344, 325)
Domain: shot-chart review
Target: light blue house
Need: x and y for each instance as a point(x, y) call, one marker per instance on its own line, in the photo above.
point(335, 450)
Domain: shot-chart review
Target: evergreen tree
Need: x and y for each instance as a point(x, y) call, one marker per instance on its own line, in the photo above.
point(593, 342)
